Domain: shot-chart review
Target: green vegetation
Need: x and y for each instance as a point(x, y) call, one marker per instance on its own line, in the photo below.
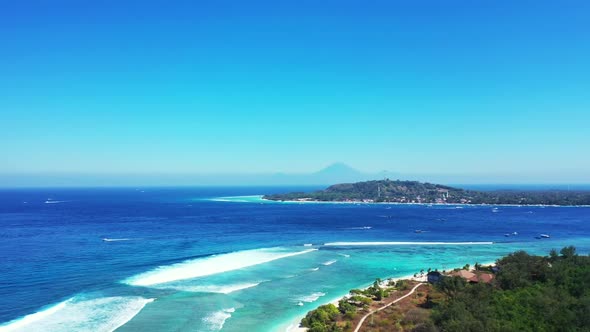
point(328, 318)
point(530, 293)
point(322, 319)
point(418, 192)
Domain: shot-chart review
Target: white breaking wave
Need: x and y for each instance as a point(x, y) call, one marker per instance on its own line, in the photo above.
point(403, 243)
point(19, 323)
point(315, 269)
point(49, 201)
point(211, 265)
point(329, 262)
point(363, 227)
point(238, 199)
point(345, 255)
point(215, 321)
point(97, 315)
point(221, 289)
point(311, 297)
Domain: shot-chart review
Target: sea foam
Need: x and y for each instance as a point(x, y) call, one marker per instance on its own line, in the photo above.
point(310, 298)
point(100, 315)
point(221, 289)
point(211, 265)
point(215, 321)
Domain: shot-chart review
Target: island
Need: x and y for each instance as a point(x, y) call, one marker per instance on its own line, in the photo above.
point(408, 192)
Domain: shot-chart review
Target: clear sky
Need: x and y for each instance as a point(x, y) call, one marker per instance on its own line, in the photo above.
point(251, 87)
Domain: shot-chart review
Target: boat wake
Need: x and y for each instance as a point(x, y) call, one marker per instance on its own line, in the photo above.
point(106, 239)
point(211, 265)
point(100, 315)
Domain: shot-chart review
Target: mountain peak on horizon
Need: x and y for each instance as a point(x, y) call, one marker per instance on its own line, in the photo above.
point(338, 168)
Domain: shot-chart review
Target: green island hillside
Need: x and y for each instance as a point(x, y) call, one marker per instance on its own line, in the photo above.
point(523, 293)
point(427, 193)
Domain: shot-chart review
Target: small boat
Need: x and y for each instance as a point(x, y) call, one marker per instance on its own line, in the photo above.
point(514, 233)
point(300, 303)
point(507, 235)
point(545, 236)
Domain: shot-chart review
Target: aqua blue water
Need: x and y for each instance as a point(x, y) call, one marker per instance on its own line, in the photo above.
point(184, 259)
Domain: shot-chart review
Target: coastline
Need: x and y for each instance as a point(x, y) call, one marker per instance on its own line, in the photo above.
point(294, 325)
point(261, 197)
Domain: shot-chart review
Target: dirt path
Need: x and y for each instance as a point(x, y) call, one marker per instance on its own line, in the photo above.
point(358, 327)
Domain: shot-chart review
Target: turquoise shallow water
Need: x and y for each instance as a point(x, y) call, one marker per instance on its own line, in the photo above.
point(209, 260)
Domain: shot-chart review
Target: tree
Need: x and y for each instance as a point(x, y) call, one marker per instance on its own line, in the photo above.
point(529, 295)
point(321, 319)
point(568, 252)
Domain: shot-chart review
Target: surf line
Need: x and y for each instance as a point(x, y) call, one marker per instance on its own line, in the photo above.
point(404, 243)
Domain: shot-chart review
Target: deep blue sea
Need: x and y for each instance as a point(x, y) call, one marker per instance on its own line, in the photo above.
point(210, 259)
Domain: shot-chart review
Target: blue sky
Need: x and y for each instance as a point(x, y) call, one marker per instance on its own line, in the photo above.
point(461, 87)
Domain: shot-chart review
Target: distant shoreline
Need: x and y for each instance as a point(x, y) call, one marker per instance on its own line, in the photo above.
point(414, 192)
point(409, 203)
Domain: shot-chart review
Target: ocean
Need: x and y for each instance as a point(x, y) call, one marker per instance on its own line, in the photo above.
point(210, 259)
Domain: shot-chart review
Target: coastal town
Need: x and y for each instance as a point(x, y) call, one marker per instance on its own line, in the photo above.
point(414, 192)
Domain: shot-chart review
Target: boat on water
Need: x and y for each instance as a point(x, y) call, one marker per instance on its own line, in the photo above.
point(545, 236)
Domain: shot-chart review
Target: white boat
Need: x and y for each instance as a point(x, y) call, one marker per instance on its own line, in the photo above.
point(545, 236)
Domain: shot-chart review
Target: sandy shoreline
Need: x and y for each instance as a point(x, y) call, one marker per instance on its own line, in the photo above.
point(294, 325)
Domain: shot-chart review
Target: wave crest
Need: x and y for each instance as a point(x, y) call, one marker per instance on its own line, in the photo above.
point(221, 289)
point(311, 297)
point(100, 315)
point(215, 321)
point(211, 265)
point(404, 243)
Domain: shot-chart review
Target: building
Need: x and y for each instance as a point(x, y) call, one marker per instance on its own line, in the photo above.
point(434, 277)
point(474, 277)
